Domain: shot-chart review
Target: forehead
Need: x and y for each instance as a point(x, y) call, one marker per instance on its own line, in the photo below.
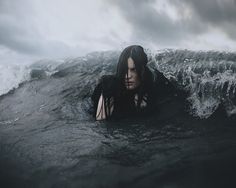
point(130, 63)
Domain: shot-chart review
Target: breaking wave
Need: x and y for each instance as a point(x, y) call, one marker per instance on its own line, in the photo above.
point(208, 77)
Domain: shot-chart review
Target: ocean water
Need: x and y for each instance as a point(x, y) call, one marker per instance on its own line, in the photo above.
point(48, 137)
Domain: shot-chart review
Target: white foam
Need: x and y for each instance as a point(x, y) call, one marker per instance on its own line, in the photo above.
point(209, 82)
point(12, 75)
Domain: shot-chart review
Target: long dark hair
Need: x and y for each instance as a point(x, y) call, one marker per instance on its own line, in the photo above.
point(140, 59)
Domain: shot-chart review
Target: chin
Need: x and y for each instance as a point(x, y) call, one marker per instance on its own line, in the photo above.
point(130, 88)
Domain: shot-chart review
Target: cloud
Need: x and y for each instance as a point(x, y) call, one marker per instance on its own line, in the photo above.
point(23, 30)
point(173, 22)
point(59, 28)
point(13, 34)
point(17, 29)
point(215, 13)
point(148, 23)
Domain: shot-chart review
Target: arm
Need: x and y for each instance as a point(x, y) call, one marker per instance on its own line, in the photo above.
point(103, 97)
point(104, 110)
point(101, 114)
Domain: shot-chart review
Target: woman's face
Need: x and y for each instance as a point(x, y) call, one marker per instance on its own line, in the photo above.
point(132, 80)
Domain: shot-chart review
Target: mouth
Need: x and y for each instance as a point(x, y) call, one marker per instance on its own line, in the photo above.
point(129, 83)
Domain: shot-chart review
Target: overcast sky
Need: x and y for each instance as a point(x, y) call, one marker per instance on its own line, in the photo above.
point(34, 29)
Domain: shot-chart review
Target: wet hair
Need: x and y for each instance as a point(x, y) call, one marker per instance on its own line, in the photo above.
point(140, 59)
point(113, 88)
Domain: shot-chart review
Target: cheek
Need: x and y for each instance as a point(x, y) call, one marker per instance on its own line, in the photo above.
point(136, 78)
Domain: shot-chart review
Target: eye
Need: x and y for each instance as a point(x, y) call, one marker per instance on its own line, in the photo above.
point(133, 69)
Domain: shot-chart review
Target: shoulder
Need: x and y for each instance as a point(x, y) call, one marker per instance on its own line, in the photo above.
point(156, 77)
point(162, 87)
point(107, 86)
point(108, 81)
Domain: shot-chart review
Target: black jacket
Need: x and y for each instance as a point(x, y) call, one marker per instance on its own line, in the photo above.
point(158, 88)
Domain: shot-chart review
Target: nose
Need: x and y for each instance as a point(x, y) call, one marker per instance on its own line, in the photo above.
point(128, 75)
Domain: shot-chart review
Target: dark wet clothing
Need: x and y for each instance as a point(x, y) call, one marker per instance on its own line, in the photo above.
point(157, 89)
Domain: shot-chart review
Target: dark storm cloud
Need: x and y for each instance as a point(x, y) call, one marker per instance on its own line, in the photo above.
point(216, 13)
point(47, 29)
point(149, 24)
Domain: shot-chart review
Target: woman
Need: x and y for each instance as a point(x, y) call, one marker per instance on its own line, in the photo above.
point(132, 91)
